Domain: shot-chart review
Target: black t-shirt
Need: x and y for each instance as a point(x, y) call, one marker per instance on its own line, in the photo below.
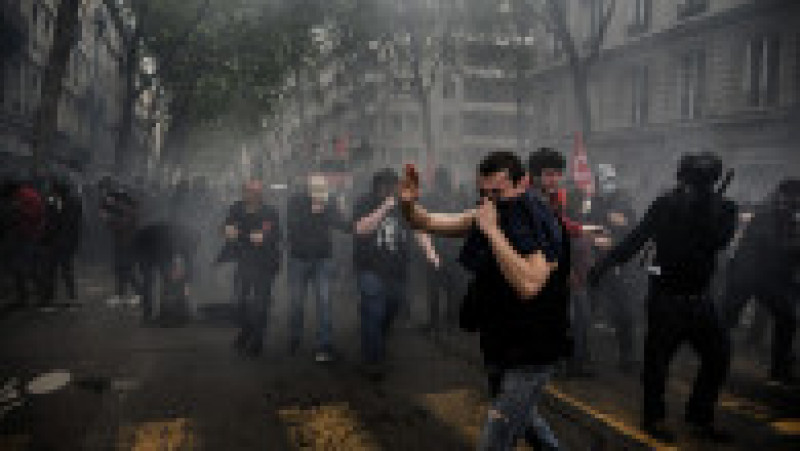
point(386, 249)
point(310, 233)
point(263, 220)
point(516, 332)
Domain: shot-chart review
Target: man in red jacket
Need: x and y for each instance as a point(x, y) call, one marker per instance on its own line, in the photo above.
point(546, 167)
point(26, 238)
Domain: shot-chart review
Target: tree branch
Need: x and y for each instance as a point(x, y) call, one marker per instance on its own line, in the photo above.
point(558, 19)
point(597, 40)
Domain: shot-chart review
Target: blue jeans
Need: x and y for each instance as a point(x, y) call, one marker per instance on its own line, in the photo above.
point(316, 272)
point(513, 412)
point(381, 299)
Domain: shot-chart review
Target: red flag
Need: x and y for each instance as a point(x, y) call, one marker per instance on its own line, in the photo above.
point(342, 145)
point(581, 172)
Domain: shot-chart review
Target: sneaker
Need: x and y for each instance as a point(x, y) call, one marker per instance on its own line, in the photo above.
point(133, 300)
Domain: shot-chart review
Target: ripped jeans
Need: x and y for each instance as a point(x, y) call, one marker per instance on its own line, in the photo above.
point(513, 412)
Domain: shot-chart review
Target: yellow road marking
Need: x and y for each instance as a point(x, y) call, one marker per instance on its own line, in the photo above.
point(327, 427)
point(787, 426)
point(608, 420)
point(163, 435)
point(463, 410)
point(735, 404)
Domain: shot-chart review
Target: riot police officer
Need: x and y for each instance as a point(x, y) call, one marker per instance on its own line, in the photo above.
point(765, 266)
point(689, 226)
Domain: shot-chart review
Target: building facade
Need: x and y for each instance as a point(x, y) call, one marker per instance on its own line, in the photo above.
point(90, 108)
point(690, 75)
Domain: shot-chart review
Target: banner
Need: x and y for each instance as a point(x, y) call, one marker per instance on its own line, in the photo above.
point(580, 170)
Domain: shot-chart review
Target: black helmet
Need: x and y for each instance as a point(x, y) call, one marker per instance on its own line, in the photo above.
point(701, 169)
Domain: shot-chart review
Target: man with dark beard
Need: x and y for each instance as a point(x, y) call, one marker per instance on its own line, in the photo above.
point(689, 225)
point(767, 266)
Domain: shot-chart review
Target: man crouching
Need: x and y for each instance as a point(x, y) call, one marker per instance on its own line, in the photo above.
point(518, 298)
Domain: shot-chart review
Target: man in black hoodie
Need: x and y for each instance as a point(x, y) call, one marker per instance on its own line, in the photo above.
point(518, 298)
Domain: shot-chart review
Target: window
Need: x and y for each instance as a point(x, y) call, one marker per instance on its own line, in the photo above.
point(689, 8)
point(397, 123)
point(449, 88)
point(760, 80)
point(449, 125)
point(691, 84)
point(640, 98)
point(477, 123)
point(640, 13)
point(596, 13)
point(489, 90)
point(413, 122)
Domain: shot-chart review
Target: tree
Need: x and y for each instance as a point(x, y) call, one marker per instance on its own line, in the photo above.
point(554, 16)
point(46, 117)
point(223, 68)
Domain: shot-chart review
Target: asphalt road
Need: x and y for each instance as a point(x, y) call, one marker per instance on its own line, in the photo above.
point(151, 388)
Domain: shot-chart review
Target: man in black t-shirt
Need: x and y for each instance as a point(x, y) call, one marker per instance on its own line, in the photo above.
point(311, 217)
point(253, 240)
point(381, 249)
point(518, 300)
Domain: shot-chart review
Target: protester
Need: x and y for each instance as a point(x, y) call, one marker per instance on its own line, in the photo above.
point(381, 250)
point(517, 252)
point(546, 168)
point(64, 227)
point(253, 235)
point(311, 217)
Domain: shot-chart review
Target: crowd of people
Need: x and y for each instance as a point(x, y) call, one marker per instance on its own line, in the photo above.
point(529, 262)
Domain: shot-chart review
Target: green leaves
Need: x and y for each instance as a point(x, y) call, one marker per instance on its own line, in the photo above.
point(226, 58)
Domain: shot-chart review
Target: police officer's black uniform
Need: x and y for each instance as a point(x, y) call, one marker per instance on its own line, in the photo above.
point(689, 226)
point(767, 266)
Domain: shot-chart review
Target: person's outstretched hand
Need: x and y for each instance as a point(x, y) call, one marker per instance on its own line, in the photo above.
point(409, 185)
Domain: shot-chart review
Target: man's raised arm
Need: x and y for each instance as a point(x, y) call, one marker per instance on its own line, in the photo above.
point(445, 224)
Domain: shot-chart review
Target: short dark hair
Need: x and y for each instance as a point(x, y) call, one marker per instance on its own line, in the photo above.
point(502, 161)
point(384, 178)
point(545, 158)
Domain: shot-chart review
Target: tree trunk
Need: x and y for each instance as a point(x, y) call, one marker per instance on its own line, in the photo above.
point(46, 118)
point(580, 77)
point(122, 155)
